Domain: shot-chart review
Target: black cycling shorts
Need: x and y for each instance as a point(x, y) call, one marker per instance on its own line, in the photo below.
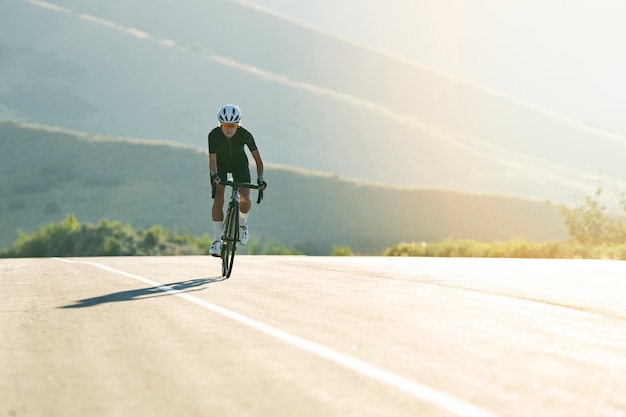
point(240, 173)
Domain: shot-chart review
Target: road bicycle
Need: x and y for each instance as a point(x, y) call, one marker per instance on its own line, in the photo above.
point(230, 229)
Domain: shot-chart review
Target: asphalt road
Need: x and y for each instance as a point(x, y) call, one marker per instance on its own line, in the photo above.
point(312, 336)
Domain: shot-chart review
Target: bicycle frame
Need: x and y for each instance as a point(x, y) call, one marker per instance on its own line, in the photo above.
point(230, 230)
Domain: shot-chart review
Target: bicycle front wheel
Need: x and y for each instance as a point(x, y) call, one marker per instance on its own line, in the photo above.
point(230, 241)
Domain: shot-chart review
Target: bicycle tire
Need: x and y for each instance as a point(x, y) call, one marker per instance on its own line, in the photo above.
point(229, 245)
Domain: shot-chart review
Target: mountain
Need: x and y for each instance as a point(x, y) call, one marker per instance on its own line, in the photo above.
point(161, 70)
point(46, 173)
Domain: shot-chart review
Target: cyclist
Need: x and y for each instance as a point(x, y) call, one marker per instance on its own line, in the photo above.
point(227, 155)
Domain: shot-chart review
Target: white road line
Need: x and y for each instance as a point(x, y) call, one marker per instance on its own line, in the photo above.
point(420, 391)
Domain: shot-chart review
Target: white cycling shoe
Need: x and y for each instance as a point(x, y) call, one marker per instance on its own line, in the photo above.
point(243, 235)
point(216, 249)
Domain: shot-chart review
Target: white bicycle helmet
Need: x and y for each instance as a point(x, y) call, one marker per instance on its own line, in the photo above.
point(229, 114)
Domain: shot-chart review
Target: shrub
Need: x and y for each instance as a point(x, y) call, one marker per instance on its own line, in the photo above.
point(71, 238)
point(510, 249)
point(341, 251)
point(589, 223)
point(269, 247)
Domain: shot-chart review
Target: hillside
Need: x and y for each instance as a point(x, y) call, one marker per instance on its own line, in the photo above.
point(46, 173)
point(136, 69)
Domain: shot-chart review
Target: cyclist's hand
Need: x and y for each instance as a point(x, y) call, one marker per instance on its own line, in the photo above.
point(215, 179)
point(262, 184)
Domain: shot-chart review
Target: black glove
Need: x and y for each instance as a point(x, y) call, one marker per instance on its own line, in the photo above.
point(262, 184)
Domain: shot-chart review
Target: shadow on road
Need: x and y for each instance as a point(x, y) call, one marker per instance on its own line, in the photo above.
point(159, 291)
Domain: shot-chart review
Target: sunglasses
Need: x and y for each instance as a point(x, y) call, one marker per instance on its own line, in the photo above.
point(230, 125)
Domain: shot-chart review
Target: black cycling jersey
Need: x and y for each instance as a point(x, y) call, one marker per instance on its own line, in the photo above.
point(230, 152)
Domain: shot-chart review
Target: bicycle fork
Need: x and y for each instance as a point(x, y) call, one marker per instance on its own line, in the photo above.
point(232, 220)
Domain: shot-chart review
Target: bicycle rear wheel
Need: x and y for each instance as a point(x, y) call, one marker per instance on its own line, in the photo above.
point(230, 241)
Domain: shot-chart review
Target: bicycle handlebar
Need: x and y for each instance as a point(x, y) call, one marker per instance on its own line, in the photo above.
point(237, 185)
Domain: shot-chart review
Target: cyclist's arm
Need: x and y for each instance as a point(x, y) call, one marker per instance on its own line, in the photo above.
point(212, 164)
point(259, 162)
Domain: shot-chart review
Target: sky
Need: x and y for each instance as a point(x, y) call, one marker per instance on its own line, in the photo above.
point(567, 56)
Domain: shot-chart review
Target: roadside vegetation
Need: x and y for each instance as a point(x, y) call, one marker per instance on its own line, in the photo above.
point(70, 237)
point(595, 233)
point(512, 249)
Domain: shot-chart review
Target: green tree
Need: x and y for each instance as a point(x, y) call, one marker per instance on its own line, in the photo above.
point(590, 223)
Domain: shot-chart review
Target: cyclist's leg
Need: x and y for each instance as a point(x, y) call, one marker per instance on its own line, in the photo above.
point(242, 174)
point(218, 202)
point(217, 211)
